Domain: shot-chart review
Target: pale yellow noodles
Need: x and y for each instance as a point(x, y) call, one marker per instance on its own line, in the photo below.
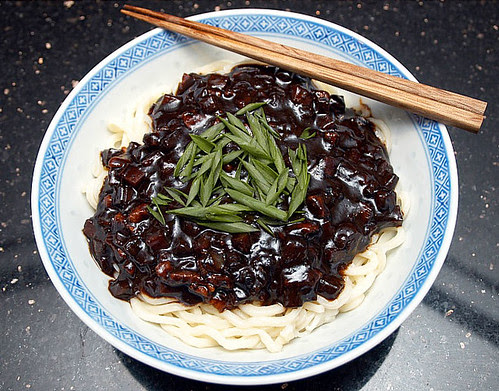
point(249, 326)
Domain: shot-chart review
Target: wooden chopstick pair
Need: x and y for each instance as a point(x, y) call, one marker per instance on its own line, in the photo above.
point(441, 105)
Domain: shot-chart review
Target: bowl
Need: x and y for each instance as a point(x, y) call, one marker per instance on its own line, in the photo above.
point(421, 155)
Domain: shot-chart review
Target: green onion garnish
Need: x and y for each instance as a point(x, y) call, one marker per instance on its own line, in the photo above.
point(261, 181)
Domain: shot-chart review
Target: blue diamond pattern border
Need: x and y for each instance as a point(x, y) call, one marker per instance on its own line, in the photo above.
point(257, 23)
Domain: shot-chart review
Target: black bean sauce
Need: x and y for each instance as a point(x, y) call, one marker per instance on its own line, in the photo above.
point(351, 196)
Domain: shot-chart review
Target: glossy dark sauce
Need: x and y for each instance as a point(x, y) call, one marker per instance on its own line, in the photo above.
point(351, 197)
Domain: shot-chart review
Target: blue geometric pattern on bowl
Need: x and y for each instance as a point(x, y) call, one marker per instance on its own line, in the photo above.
point(291, 26)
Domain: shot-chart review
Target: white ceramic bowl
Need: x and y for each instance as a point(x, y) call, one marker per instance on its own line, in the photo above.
point(421, 154)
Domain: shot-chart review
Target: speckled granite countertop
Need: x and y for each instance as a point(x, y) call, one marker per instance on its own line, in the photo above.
point(450, 342)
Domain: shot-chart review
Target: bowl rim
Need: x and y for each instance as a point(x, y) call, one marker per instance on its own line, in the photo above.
point(229, 379)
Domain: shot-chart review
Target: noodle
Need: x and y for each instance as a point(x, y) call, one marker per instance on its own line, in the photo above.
point(249, 326)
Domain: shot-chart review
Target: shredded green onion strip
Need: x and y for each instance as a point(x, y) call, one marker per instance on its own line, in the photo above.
point(261, 183)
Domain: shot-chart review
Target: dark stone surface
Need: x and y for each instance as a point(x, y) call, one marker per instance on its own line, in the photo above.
point(450, 342)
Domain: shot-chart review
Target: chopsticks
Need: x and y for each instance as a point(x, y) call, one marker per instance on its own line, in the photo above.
point(441, 105)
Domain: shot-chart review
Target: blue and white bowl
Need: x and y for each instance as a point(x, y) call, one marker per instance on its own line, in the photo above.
point(421, 154)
